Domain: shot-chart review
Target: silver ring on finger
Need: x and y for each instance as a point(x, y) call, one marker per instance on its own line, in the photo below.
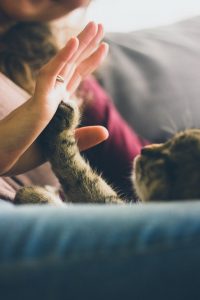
point(59, 78)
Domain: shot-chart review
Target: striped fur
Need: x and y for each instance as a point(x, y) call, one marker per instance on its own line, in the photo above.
point(79, 182)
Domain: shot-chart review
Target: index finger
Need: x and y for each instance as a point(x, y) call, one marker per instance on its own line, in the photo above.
point(48, 73)
point(53, 67)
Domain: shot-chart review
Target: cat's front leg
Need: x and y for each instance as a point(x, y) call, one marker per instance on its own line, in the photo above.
point(79, 181)
point(38, 195)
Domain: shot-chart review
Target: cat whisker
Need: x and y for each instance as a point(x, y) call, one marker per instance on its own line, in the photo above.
point(187, 119)
point(171, 128)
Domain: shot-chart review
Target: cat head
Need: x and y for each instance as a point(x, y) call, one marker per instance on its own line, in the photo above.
point(169, 171)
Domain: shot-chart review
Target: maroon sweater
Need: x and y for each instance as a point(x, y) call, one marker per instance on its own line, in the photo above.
point(114, 157)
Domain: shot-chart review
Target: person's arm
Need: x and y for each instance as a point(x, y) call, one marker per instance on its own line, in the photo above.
point(21, 127)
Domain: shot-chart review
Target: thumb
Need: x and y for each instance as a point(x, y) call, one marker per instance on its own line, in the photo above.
point(90, 136)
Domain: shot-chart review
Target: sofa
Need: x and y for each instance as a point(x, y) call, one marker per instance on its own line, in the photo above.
point(152, 76)
point(139, 251)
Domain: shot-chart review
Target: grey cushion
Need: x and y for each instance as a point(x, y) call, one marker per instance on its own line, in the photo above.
point(154, 78)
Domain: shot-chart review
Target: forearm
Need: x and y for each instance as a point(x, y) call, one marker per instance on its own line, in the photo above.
point(18, 131)
point(30, 159)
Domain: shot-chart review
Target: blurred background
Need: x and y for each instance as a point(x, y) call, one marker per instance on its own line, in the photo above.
point(126, 15)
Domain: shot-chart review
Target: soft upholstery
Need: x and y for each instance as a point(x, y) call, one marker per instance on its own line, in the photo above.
point(153, 77)
point(96, 252)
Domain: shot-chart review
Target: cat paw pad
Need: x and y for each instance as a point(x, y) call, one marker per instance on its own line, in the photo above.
point(68, 115)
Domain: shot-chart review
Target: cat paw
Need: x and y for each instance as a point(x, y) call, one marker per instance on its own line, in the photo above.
point(67, 116)
point(65, 119)
point(38, 195)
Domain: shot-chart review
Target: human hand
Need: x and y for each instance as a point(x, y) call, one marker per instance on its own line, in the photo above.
point(80, 57)
point(75, 61)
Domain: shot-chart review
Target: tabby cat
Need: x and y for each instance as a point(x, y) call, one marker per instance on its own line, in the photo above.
point(168, 171)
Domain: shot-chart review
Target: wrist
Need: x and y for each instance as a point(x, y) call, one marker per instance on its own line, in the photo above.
point(44, 110)
point(41, 111)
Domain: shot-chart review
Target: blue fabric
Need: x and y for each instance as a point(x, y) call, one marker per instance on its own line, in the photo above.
point(137, 252)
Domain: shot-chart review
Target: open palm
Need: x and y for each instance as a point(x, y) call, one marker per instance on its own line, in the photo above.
point(77, 59)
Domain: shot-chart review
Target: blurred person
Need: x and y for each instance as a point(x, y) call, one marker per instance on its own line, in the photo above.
point(26, 44)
